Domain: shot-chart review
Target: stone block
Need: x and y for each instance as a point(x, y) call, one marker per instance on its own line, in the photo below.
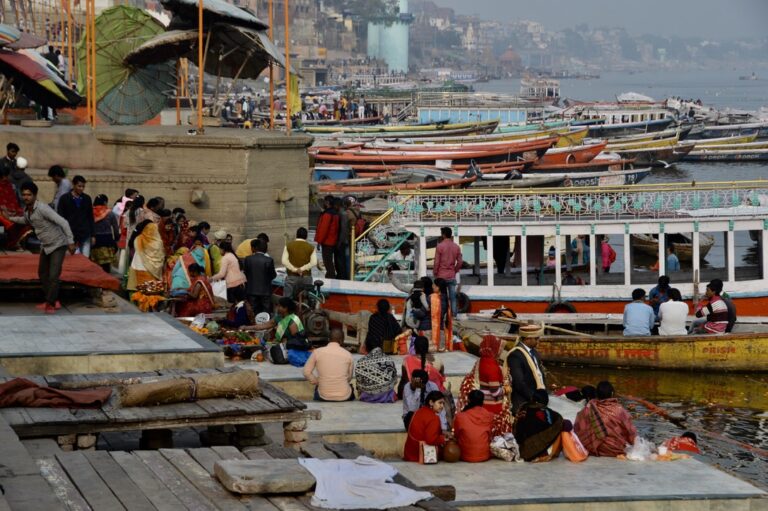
point(63, 440)
point(263, 476)
point(86, 441)
point(296, 436)
point(295, 426)
point(250, 431)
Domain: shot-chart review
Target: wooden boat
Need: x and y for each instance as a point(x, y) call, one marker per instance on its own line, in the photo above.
point(682, 133)
point(629, 128)
point(383, 179)
point(649, 244)
point(727, 155)
point(568, 136)
point(487, 126)
point(658, 155)
point(378, 145)
point(606, 178)
point(372, 189)
point(509, 152)
point(737, 139)
point(596, 165)
point(524, 182)
point(469, 131)
point(726, 130)
point(572, 154)
point(743, 352)
point(645, 144)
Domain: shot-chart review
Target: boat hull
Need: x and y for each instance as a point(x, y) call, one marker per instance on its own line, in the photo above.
point(753, 155)
point(717, 353)
point(615, 130)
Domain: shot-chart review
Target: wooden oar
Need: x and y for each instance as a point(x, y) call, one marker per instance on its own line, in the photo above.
point(520, 322)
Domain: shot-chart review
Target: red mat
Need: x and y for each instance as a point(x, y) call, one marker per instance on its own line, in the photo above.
point(78, 269)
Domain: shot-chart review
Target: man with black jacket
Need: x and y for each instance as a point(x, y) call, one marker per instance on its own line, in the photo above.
point(525, 368)
point(259, 271)
point(77, 209)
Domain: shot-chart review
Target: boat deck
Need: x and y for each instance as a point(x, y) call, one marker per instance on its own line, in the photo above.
point(99, 342)
point(291, 380)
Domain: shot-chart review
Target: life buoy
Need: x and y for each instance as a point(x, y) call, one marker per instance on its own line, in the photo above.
point(560, 307)
point(570, 159)
point(463, 303)
point(429, 179)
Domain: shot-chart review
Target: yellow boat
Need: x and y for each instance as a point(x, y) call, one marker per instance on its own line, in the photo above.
point(645, 144)
point(437, 128)
point(736, 352)
point(745, 139)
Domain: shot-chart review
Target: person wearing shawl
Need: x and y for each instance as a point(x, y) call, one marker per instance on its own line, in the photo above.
point(473, 428)
point(10, 206)
point(604, 427)
point(149, 256)
point(106, 234)
point(382, 325)
point(375, 375)
point(167, 231)
point(538, 428)
point(179, 279)
point(216, 255)
point(488, 377)
point(525, 368)
point(442, 321)
point(199, 297)
point(421, 360)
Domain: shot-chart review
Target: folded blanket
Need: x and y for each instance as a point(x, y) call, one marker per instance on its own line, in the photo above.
point(22, 392)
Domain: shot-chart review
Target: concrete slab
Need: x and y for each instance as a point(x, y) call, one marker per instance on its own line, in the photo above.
point(291, 380)
point(560, 482)
point(95, 343)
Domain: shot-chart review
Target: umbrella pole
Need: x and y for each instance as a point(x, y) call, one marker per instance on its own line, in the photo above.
point(93, 61)
point(70, 59)
point(86, 74)
point(271, 71)
point(287, 71)
point(178, 91)
point(200, 65)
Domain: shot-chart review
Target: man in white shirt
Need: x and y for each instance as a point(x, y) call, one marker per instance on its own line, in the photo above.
point(673, 314)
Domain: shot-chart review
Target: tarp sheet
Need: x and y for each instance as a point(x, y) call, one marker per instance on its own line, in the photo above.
point(78, 269)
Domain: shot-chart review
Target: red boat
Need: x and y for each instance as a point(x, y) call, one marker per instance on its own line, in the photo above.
point(504, 153)
point(572, 154)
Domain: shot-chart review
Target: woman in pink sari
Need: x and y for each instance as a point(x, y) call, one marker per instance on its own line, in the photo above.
point(9, 206)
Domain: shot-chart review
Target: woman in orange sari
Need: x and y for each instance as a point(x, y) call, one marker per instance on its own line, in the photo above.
point(149, 257)
point(199, 298)
point(442, 322)
point(492, 380)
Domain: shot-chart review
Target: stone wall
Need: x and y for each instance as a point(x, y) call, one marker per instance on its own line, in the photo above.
point(239, 173)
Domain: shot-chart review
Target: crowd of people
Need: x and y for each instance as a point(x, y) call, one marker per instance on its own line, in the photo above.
point(663, 311)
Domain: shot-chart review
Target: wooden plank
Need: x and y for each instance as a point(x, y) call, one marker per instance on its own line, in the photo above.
point(15, 416)
point(31, 493)
point(65, 415)
point(317, 450)
point(220, 407)
point(346, 450)
point(277, 451)
point(186, 492)
point(63, 488)
point(87, 480)
point(207, 457)
point(148, 482)
point(279, 397)
point(14, 458)
point(118, 481)
point(287, 503)
point(256, 453)
point(202, 480)
point(228, 452)
point(175, 411)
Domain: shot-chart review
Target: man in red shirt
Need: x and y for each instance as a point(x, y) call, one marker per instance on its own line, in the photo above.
point(327, 235)
point(448, 263)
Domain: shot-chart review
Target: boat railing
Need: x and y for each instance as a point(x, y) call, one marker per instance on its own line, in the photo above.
point(697, 200)
point(356, 240)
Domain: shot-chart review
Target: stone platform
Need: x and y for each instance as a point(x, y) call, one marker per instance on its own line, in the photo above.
point(596, 484)
point(379, 427)
point(291, 380)
point(98, 343)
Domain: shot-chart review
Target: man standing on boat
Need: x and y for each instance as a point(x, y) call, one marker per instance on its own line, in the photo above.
point(299, 257)
point(525, 368)
point(447, 264)
point(327, 235)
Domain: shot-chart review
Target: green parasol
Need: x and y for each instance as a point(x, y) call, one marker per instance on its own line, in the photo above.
point(125, 94)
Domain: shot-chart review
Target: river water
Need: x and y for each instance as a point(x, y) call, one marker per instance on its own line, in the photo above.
point(728, 412)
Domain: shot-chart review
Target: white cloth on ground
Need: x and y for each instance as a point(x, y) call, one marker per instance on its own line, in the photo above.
point(362, 483)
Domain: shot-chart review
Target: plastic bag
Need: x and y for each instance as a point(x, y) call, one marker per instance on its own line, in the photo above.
point(641, 450)
point(198, 322)
point(220, 289)
point(506, 448)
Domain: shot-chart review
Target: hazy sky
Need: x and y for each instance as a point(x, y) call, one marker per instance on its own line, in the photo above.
point(717, 19)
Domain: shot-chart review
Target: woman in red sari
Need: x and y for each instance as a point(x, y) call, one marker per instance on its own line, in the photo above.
point(9, 206)
point(492, 380)
point(199, 299)
point(425, 427)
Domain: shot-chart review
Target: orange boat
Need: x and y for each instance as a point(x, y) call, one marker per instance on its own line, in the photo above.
point(572, 154)
point(506, 152)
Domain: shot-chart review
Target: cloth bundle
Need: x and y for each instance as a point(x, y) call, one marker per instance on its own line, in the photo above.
point(239, 384)
point(505, 448)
